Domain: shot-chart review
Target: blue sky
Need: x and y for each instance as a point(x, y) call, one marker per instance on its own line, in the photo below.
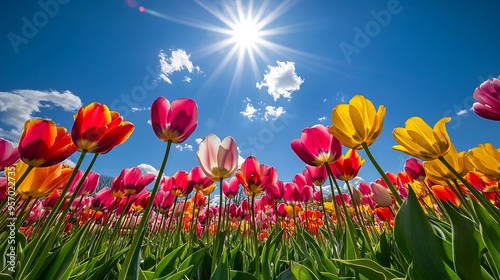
point(415, 57)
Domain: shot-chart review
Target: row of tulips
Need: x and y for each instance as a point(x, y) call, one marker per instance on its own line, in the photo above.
point(436, 219)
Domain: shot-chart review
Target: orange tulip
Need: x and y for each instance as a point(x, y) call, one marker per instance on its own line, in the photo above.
point(44, 144)
point(347, 166)
point(98, 130)
point(41, 181)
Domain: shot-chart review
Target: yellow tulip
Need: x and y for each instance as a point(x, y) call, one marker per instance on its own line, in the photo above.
point(437, 172)
point(357, 122)
point(485, 159)
point(41, 181)
point(419, 140)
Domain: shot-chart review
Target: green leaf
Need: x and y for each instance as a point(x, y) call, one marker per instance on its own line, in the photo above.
point(237, 274)
point(101, 271)
point(62, 264)
point(416, 241)
point(222, 270)
point(302, 272)
point(178, 275)
point(194, 260)
point(4, 276)
point(167, 264)
point(369, 269)
point(134, 268)
point(383, 253)
point(286, 275)
point(490, 231)
point(466, 248)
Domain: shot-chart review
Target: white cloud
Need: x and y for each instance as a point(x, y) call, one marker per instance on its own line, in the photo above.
point(250, 112)
point(147, 169)
point(149, 122)
point(462, 112)
point(178, 61)
point(324, 100)
point(273, 112)
point(185, 147)
point(214, 201)
point(281, 80)
point(69, 162)
point(354, 183)
point(322, 119)
point(198, 140)
point(136, 109)
point(240, 158)
point(187, 79)
point(18, 106)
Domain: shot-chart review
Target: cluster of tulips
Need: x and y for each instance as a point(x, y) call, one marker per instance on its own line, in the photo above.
point(438, 218)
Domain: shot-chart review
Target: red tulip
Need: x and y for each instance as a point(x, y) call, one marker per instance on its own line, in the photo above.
point(347, 167)
point(98, 130)
point(174, 121)
point(8, 154)
point(251, 175)
point(317, 146)
point(218, 160)
point(44, 144)
point(183, 185)
point(487, 96)
point(445, 194)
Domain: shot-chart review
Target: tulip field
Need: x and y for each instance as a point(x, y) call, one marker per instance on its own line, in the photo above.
point(438, 218)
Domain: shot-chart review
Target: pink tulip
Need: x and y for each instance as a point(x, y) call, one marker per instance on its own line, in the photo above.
point(276, 192)
point(163, 201)
point(252, 174)
point(130, 182)
point(487, 96)
point(174, 122)
point(317, 146)
point(292, 194)
point(415, 169)
point(315, 175)
point(89, 184)
point(381, 195)
point(183, 185)
point(230, 189)
point(166, 183)
point(8, 154)
point(103, 200)
point(365, 189)
point(200, 180)
point(218, 160)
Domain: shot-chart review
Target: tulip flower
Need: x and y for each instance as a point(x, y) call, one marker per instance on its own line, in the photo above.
point(163, 201)
point(251, 175)
point(44, 144)
point(317, 146)
point(419, 140)
point(315, 175)
point(200, 180)
point(384, 214)
point(415, 169)
point(485, 159)
point(89, 184)
point(357, 122)
point(131, 181)
point(438, 172)
point(41, 181)
point(8, 154)
point(183, 185)
point(218, 160)
point(276, 192)
point(445, 194)
point(3, 188)
point(174, 121)
point(347, 167)
point(487, 96)
point(98, 130)
point(230, 189)
point(381, 195)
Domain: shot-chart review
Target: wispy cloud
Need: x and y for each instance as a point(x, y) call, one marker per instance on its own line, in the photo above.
point(281, 80)
point(250, 112)
point(18, 106)
point(136, 109)
point(462, 112)
point(147, 169)
point(178, 61)
point(322, 119)
point(185, 147)
point(198, 140)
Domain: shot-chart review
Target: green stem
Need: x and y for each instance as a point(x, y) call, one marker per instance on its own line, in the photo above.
point(138, 235)
point(256, 241)
point(398, 198)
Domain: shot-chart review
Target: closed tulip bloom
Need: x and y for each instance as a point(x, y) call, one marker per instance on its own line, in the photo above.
point(347, 167)
point(487, 96)
point(183, 184)
point(437, 172)
point(381, 195)
point(174, 121)
point(218, 160)
point(163, 201)
point(317, 146)
point(485, 159)
point(89, 184)
point(98, 130)
point(357, 122)
point(200, 180)
point(44, 144)
point(276, 192)
point(8, 154)
point(230, 189)
point(415, 169)
point(292, 193)
point(41, 181)
point(419, 140)
point(315, 175)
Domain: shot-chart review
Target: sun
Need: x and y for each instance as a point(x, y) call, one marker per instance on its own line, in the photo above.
point(245, 34)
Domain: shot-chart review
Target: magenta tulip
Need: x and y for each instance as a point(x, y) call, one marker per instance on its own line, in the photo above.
point(174, 121)
point(487, 96)
point(8, 154)
point(317, 146)
point(415, 169)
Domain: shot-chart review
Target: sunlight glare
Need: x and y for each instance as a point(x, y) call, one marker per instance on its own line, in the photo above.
point(245, 34)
